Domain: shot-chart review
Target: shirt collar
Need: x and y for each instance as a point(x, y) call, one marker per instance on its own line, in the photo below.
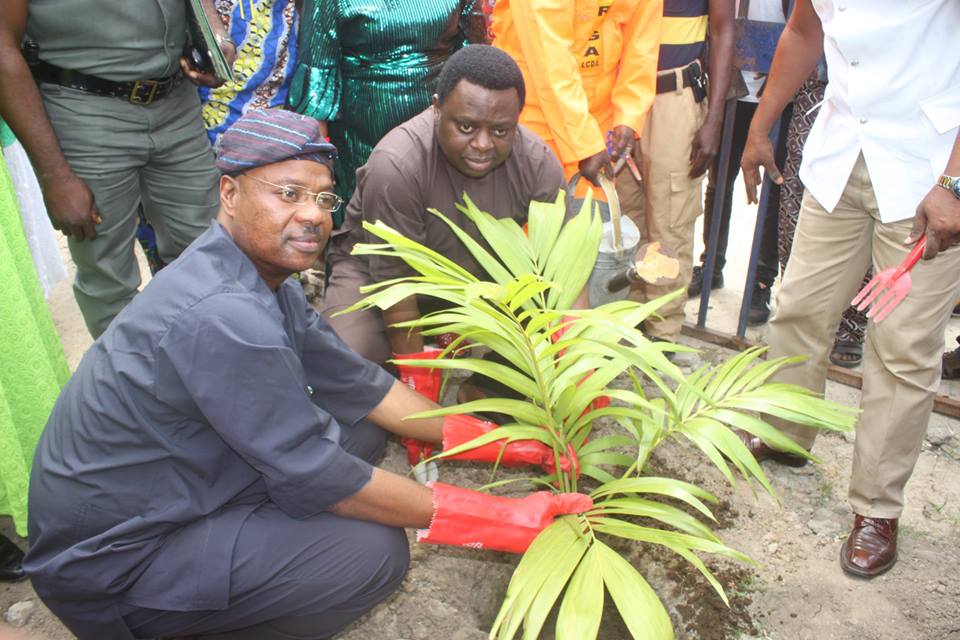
point(235, 261)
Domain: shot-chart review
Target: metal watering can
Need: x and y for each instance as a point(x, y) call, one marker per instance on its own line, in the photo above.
point(622, 259)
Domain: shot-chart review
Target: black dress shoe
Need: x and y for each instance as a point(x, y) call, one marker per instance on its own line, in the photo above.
point(759, 311)
point(696, 281)
point(11, 561)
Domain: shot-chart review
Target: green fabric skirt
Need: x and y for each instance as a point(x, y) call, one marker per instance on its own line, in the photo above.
point(32, 365)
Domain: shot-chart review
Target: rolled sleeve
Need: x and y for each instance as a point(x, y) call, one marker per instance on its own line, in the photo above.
point(234, 358)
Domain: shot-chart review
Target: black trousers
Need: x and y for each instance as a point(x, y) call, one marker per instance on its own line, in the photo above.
point(768, 261)
point(296, 578)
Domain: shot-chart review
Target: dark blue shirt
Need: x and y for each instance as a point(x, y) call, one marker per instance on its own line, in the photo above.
point(207, 396)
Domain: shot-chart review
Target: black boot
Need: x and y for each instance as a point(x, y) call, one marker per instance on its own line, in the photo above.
point(11, 559)
point(759, 311)
point(696, 281)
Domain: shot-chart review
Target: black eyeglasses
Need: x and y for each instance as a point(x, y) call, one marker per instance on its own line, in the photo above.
point(295, 194)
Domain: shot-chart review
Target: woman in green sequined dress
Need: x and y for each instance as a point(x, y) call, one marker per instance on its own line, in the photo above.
point(368, 65)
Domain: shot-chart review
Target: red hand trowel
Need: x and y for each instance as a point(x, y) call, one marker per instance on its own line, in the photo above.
point(894, 283)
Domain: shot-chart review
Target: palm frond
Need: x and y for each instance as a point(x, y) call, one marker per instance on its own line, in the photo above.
point(562, 361)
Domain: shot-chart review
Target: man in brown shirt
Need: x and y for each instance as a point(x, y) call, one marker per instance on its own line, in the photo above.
point(468, 141)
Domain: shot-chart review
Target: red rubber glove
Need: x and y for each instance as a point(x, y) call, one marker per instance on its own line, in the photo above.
point(600, 402)
point(426, 382)
point(417, 450)
point(466, 518)
point(459, 429)
point(423, 380)
point(565, 323)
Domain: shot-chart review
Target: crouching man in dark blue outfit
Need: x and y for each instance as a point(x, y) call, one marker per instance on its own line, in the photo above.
point(208, 469)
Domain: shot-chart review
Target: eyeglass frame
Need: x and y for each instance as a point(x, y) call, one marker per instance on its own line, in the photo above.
point(316, 199)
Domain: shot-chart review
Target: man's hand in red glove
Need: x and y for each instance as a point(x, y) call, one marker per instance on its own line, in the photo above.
point(426, 382)
point(417, 450)
point(459, 429)
point(423, 380)
point(466, 518)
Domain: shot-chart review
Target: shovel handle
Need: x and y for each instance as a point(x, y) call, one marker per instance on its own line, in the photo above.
point(912, 258)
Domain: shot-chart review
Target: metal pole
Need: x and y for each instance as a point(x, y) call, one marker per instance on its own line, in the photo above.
point(719, 193)
point(757, 239)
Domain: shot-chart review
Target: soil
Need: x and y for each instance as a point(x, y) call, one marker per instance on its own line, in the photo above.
point(795, 592)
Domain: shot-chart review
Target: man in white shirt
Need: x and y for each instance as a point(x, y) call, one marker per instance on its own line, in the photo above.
point(885, 141)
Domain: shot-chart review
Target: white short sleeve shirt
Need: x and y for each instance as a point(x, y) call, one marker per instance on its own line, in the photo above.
point(893, 94)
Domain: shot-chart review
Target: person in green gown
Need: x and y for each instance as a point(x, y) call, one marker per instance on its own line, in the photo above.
point(367, 66)
point(32, 366)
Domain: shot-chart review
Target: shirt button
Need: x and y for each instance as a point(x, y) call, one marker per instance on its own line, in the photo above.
point(863, 121)
point(854, 62)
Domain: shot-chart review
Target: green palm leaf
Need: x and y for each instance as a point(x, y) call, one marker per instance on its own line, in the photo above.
point(669, 539)
point(560, 541)
point(582, 605)
point(683, 491)
point(516, 310)
point(636, 601)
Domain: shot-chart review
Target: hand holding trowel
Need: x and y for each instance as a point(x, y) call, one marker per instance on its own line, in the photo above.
point(894, 283)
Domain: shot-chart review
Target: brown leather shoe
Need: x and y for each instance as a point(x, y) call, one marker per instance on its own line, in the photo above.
point(762, 452)
point(871, 548)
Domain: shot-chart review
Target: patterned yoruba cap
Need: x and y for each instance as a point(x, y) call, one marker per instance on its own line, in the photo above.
point(264, 136)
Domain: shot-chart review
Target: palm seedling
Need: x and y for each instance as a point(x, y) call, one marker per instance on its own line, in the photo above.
point(561, 361)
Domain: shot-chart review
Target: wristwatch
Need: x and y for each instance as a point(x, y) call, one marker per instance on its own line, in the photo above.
point(951, 184)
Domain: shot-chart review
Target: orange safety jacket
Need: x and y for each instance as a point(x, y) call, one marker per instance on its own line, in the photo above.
point(588, 65)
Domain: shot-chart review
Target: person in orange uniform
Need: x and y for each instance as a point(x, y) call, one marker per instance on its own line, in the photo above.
point(590, 68)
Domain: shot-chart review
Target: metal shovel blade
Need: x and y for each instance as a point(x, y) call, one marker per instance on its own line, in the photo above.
point(889, 287)
point(652, 263)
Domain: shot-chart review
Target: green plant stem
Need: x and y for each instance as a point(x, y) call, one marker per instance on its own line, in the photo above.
point(567, 481)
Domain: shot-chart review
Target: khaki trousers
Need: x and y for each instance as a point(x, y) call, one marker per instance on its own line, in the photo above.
point(665, 208)
point(901, 369)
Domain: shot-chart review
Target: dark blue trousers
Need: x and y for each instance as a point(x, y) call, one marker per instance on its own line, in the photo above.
point(303, 579)
point(297, 578)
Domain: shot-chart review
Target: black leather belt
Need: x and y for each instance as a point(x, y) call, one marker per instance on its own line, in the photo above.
point(141, 92)
point(692, 77)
